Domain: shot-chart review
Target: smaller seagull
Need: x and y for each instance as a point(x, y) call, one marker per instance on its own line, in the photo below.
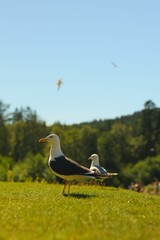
point(114, 64)
point(95, 166)
point(59, 83)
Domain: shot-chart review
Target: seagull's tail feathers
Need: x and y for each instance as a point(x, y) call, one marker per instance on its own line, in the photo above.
point(97, 175)
point(112, 174)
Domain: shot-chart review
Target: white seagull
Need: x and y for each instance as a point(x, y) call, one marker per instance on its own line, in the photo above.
point(59, 83)
point(66, 168)
point(95, 166)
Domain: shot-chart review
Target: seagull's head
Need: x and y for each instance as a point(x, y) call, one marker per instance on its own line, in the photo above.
point(94, 158)
point(53, 139)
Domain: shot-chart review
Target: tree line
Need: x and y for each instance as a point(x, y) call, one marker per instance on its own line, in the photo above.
point(129, 145)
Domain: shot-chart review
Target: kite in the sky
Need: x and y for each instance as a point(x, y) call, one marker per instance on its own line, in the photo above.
point(59, 83)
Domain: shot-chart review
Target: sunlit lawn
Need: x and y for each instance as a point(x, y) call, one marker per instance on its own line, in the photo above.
point(38, 211)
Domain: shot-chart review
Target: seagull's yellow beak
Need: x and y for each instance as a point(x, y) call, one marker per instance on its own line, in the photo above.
point(89, 158)
point(43, 140)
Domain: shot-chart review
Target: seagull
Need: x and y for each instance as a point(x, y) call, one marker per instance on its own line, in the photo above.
point(65, 167)
point(114, 64)
point(95, 166)
point(59, 83)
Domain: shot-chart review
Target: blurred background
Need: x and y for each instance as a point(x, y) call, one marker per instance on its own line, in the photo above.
point(106, 55)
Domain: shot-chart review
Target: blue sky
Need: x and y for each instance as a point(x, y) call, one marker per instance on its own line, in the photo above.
point(43, 41)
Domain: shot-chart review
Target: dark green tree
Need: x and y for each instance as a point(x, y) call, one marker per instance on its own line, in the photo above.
point(25, 135)
point(4, 133)
point(148, 127)
point(115, 147)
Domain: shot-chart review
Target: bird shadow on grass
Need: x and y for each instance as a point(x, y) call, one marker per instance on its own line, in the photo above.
point(80, 195)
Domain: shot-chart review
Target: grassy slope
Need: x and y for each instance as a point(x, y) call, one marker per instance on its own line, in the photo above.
point(39, 211)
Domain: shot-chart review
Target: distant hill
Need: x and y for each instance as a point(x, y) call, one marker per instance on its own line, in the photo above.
point(105, 125)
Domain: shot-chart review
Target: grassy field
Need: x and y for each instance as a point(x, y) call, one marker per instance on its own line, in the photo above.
point(33, 211)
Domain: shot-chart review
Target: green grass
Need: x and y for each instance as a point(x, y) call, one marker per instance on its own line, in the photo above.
point(30, 211)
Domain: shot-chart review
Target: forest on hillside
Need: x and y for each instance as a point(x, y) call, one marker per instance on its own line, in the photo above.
point(129, 145)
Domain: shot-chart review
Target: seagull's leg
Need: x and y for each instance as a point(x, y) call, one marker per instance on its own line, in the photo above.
point(69, 184)
point(65, 184)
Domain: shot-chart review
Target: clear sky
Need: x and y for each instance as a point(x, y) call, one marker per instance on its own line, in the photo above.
point(42, 41)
